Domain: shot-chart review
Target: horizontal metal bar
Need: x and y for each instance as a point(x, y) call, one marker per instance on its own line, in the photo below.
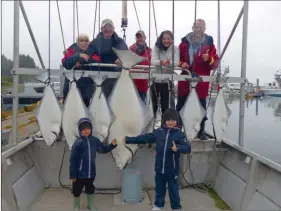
point(142, 75)
point(136, 66)
point(16, 148)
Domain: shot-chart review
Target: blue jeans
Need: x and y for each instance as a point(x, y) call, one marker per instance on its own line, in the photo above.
point(160, 190)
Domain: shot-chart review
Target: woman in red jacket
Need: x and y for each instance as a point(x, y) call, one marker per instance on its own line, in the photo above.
point(198, 55)
point(140, 48)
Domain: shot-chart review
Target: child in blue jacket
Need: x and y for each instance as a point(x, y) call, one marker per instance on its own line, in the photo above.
point(170, 142)
point(82, 162)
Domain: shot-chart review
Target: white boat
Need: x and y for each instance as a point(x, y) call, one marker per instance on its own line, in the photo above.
point(274, 88)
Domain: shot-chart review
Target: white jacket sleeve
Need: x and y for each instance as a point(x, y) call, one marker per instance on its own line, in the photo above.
point(155, 60)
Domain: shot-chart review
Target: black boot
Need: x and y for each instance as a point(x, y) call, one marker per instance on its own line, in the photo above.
point(201, 133)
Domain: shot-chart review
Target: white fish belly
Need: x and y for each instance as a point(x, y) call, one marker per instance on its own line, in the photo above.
point(74, 110)
point(100, 115)
point(49, 116)
point(192, 114)
point(129, 112)
point(149, 113)
point(220, 116)
point(121, 154)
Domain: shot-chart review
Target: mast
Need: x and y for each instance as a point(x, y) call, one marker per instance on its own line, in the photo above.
point(124, 20)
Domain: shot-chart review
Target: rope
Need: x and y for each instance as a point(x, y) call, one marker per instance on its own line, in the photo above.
point(77, 17)
point(73, 21)
point(49, 44)
point(61, 26)
point(96, 8)
point(137, 14)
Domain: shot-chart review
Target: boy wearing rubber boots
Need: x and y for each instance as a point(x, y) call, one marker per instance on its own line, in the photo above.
point(82, 162)
point(170, 142)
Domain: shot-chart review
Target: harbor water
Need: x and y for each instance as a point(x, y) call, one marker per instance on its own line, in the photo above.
point(262, 131)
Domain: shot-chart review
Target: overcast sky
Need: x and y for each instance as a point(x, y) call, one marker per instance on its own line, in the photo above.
point(264, 41)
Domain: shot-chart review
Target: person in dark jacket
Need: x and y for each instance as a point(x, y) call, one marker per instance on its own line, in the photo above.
point(140, 48)
point(198, 55)
point(82, 168)
point(102, 45)
point(170, 142)
point(78, 54)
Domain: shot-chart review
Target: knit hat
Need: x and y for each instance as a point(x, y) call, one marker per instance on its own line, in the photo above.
point(170, 114)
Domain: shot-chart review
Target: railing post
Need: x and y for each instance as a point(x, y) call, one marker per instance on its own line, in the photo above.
point(243, 72)
point(15, 76)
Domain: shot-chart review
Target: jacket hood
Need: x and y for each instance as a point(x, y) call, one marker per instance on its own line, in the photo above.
point(82, 121)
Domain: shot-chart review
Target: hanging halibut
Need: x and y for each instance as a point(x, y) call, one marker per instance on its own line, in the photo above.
point(192, 113)
point(101, 115)
point(220, 116)
point(49, 114)
point(128, 110)
point(74, 110)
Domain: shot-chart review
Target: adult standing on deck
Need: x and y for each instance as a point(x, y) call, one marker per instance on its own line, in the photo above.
point(140, 47)
point(162, 55)
point(103, 44)
point(198, 55)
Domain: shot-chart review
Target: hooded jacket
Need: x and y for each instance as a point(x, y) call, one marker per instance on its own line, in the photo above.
point(197, 63)
point(166, 160)
point(83, 154)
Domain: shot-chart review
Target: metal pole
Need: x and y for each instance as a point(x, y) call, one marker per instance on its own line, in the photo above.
point(219, 35)
point(231, 35)
point(124, 21)
point(243, 73)
point(15, 77)
point(31, 34)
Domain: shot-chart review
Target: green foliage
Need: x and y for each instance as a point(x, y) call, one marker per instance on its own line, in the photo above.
point(7, 65)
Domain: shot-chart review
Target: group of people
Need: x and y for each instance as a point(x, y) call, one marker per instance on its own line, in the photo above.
point(196, 53)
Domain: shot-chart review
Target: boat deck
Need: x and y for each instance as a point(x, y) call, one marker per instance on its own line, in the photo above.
point(61, 199)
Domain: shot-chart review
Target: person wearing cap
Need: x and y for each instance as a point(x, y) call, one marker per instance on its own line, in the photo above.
point(102, 45)
point(140, 47)
point(170, 143)
point(78, 54)
point(198, 55)
point(162, 55)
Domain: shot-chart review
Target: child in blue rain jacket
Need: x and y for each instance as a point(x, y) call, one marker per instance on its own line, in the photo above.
point(170, 142)
point(82, 162)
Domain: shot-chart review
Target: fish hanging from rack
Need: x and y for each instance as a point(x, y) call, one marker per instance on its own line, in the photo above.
point(220, 116)
point(100, 112)
point(49, 113)
point(149, 111)
point(128, 110)
point(74, 109)
point(192, 113)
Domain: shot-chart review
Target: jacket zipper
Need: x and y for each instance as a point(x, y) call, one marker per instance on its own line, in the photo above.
point(164, 157)
point(89, 174)
point(81, 162)
point(174, 161)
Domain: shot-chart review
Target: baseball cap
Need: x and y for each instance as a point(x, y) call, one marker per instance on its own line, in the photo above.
point(141, 33)
point(107, 21)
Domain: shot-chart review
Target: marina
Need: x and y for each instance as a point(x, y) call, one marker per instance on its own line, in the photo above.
point(230, 173)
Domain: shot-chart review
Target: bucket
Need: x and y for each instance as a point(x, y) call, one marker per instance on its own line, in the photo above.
point(131, 186)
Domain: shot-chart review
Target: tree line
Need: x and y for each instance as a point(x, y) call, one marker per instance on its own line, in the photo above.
point(7, 65)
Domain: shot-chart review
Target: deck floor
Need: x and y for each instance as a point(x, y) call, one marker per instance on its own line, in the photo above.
point(61, 199)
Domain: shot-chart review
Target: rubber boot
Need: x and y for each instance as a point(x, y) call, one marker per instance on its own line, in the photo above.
point(201, 134)
point(91, 205)
point(76, 203)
